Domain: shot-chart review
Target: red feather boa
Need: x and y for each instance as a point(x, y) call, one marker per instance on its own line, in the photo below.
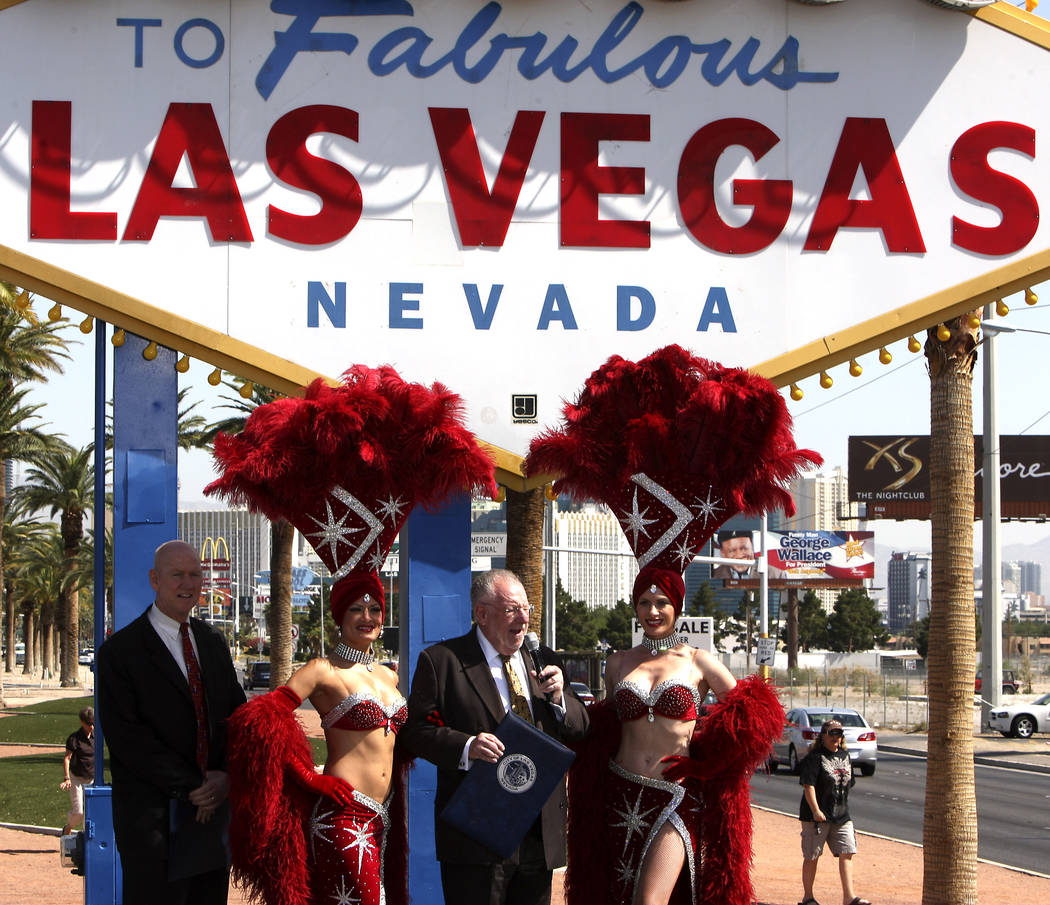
point(267, 837)
point(730, 742)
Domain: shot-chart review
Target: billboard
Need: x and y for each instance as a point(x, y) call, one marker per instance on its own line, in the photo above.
point(542, 183)
point(830, 559)
point(890, 474)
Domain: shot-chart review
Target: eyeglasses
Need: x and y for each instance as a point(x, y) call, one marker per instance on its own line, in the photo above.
point(508, 611)
point(836, 733)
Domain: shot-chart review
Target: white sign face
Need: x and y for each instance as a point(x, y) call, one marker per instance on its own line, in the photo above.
point(766, 650)
point(480, 563)
point(493, 544)
point(500, 196)
point(699, 631)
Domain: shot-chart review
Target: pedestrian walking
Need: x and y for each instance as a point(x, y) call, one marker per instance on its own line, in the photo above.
point(79, 767)
point(826, 776)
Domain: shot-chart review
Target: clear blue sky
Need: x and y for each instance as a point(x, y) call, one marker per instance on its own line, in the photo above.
point(885, 399)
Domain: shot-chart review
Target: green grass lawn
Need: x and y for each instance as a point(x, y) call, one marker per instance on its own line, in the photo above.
point(47, 723)
point(29, 785)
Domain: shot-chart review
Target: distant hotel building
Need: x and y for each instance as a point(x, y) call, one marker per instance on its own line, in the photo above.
point(908, 588)
point(247, 534)
point(597, 579)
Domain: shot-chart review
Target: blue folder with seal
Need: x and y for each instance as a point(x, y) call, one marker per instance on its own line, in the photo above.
point(497, 803)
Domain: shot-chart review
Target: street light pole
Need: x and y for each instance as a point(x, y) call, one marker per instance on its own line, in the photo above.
point(991, 555)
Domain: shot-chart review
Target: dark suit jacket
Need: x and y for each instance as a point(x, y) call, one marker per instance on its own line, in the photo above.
point(149, 725)
point(454, 697)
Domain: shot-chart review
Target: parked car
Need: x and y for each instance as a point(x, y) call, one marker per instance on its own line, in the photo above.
point(803, 726)
point(87, 656)
point(257, 675)
point(1022, 720)
point(583, 692)
point(1010, 684)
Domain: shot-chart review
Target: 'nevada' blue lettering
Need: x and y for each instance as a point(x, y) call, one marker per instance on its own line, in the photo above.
point(556, 307)
point(717, 311)
point(317, 297)
point(646, 304)
point(663, 63)
point(482, 314)
point(400, 303)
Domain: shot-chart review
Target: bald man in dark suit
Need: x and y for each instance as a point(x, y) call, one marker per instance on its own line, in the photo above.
point(166, 685)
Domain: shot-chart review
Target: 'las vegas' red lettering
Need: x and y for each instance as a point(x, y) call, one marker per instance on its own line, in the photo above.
point(770, 198)
point(866, 143)
point(190, 130)
point(583, 180)
point(293, 164)
point(975, 177)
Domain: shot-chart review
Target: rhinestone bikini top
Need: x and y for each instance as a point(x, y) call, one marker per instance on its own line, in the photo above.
point(362, 711)
point(672, 698)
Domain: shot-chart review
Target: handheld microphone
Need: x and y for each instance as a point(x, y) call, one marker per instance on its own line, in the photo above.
point(532, 645)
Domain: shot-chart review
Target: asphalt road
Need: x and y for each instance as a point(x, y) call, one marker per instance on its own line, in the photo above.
point(1013, 807)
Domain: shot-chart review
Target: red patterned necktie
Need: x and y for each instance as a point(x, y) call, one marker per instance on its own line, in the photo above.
point(193, 675)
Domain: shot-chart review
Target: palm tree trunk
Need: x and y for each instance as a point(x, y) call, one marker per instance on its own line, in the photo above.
point(9, 628)
point(46, 637)
point(28, 638)
point(282, 537)
point(950, 823)
point(525, 546)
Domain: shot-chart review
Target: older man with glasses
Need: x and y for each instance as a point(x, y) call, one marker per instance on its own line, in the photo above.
point(461, 691)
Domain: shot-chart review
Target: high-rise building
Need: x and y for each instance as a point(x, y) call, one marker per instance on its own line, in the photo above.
point(1031, 577)
point(908, 589)
point(599, 578)
point(247, 534)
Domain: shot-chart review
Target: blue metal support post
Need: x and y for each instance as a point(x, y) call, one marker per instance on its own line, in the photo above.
point(434, 605)
point(145, 416)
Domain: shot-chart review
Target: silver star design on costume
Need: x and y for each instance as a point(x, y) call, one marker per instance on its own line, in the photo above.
point(360, 840)
point(319, 825)
point(708, 507)
point(636, 521)
point(391, 508)
point(333, 531)
point(634, 819)
point(682, 513)
point(683, 552)
point(374, 525)
point(344, 896)
point(625, 873)
point(376, 559)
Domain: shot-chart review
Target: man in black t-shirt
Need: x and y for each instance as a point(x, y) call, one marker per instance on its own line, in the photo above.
point(826, 776)
point(79, 767)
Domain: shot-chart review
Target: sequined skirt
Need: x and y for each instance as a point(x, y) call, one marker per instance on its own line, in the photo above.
point(636, 809)
point(347, 849)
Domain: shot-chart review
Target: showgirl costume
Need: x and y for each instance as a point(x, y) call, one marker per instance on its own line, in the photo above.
point(674, 445)
point(345, 465)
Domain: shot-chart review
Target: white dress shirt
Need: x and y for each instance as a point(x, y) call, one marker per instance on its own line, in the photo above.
point(168, 631)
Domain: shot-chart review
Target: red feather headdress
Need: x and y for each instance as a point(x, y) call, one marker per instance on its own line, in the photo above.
point(675, 445)
point(346, 465)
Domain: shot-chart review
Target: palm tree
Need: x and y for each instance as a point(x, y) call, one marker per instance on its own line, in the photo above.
point(525, 546)
point(950, 823)
point(28, 351)
point(282, 539)
point(62, 480)
point(38, 570)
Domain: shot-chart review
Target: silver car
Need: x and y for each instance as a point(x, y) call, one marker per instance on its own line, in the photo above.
point(802, 727)
point(1022, 720)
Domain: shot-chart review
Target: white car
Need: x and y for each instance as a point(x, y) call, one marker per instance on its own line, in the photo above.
point(1022, 720)
point(802, 728)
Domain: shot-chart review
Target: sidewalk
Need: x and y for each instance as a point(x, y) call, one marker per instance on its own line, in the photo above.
point(886, 872)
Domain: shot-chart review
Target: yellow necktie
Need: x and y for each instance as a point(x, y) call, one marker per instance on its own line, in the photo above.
point(518, 702)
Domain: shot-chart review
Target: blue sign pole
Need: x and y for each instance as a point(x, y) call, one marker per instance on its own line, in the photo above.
point(435, 605)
